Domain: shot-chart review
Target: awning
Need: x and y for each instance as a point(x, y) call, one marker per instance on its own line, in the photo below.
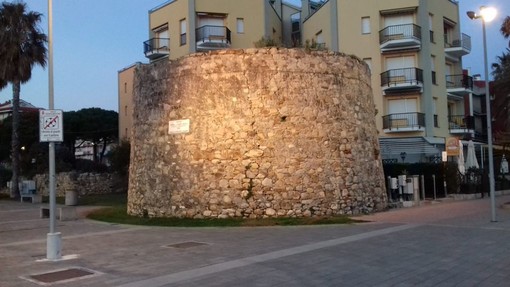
point(392, 147)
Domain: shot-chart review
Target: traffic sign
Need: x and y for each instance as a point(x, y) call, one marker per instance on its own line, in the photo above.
point(51, 124)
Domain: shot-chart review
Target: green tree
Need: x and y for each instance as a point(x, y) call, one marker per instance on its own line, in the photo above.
point(22, 46)
point(95, 125)
point(29, 141)
point(501, 104)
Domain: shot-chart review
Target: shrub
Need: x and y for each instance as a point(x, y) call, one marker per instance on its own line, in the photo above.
point(85, 165)
point(120, 157)
point(5, 176)
point(266, 42)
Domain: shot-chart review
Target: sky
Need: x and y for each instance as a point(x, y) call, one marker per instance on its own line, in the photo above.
point(94, 39)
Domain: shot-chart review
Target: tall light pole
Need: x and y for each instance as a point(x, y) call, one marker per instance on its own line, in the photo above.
point(487, 14)
point(53, 242)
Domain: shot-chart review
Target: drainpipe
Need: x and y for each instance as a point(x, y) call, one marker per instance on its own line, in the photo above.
point(426, 66)
point(305, 9)
point(192, 27)
point(334, 26)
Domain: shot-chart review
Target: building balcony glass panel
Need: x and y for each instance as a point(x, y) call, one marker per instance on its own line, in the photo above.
point(457, 48)
point(397, 37)
point(461, 124)
point(211, 37)
point(402, 80)
point(459, 85)
point(156, 48)
point(404, 122)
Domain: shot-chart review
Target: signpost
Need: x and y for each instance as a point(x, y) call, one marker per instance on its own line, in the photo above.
point(51, 129)
point(51, 126)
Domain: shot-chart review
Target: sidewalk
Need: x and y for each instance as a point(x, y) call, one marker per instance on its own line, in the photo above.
point(444, 244)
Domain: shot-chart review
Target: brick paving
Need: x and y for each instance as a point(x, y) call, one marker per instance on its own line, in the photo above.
point(451, 243)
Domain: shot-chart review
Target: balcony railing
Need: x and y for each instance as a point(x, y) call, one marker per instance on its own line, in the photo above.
point(459, 81)
point(400, 36)
point(213, 37)
point(404, 122)
point(399, 77)
point(156, 47)
point(461, 124)
point(457, 48)
point(464, 42)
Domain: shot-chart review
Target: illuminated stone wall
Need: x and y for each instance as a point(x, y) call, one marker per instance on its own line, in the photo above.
point(272, 133)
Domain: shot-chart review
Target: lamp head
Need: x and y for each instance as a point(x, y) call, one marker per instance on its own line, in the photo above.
point(472, 15)
point(488, 13)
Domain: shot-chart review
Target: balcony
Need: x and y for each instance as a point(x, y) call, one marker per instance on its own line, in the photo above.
point(156, 48)
point(210, 37)
point(461, 124)
point(404, 122)
point(402, 80)
point(400, 37)
point(459, 85)
point(457, 48)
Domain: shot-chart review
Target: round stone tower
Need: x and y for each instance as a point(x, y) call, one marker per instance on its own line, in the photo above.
point(255, 133)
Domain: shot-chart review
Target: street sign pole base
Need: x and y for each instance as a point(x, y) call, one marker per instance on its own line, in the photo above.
point(54, 246)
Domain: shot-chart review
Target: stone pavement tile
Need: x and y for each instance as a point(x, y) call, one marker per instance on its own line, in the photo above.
point(462, 247)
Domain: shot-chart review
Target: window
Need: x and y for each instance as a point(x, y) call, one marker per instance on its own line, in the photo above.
point(183, 31)
point(403, 113)
point(365, 25)
point(319, 39)
point(240, 25)
point(401, 69)
point(161, 37)
point(398, 106)
point(369, 63)
point(431, 20)
point(433, 68)
point(126, 110)
point(125, 88)
point(434, 107)
point(398, 19)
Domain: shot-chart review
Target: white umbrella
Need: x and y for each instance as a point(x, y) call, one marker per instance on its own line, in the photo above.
point(503, 169)
point(460, 159)
point(471, 160)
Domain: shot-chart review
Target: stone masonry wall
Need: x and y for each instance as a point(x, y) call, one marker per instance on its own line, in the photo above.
point(273, 133)
point(84, 183)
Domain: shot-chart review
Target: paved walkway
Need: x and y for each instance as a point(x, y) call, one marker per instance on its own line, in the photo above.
point(443, 244)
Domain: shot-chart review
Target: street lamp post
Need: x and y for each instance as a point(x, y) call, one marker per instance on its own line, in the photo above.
point(486, 15)
point(53, 241)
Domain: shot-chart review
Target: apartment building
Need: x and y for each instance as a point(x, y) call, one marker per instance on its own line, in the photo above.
point(414, 49)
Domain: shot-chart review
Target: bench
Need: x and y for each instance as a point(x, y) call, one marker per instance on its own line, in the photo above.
point(27, 190)
point(63, 213)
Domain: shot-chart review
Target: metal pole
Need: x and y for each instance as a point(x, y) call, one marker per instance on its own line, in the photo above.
point(434, 181)
point(489, 126)
point(422, 177)
point(53, 244)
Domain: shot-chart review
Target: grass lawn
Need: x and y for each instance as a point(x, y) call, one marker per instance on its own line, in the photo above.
point(116, 212)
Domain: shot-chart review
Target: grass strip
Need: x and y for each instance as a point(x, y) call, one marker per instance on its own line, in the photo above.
point(118, 214)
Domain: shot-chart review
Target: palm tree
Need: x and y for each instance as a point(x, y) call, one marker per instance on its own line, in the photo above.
point(22, 46)
point(505, 28)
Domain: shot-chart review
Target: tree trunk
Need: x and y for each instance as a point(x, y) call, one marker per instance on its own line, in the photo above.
point(94, 151)
point(15, 152)
point(103, 150)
